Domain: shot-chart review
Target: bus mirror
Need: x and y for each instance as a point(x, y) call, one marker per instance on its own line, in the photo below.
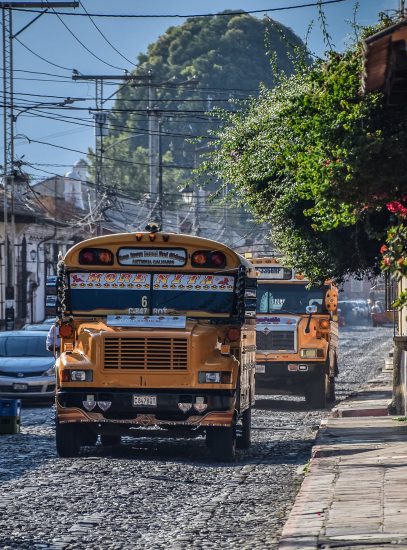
point(250, 306)
point(311, 309)
point(331, 300)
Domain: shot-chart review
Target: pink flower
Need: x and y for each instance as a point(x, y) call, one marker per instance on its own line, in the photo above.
point(397, 208)
point(383, 249)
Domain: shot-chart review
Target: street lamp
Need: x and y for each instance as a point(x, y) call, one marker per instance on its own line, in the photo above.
point(190, 197)
point(187, 194)
point(66, 101)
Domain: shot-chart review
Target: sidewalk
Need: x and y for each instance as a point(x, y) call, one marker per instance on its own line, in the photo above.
point(354, 495)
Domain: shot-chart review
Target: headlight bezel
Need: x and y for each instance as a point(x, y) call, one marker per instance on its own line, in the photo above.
point(311, 353)
point(50, 371)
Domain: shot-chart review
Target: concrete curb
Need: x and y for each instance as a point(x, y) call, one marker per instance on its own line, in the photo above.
point(353, 492)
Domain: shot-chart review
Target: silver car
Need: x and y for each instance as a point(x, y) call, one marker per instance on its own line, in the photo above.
point(26, 367)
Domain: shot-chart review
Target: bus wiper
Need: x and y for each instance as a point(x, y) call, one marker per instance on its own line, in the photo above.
point(310, 310)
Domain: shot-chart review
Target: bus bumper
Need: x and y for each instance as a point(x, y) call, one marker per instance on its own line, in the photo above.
point(285, 376)
point(175, 408)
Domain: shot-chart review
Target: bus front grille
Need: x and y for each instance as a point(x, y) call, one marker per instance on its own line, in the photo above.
point(146, 353)
point(279, 340)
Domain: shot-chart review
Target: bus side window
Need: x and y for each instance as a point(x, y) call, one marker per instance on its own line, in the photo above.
point(264, 303)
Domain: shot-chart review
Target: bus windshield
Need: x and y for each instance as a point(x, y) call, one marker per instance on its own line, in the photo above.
point(151, 293)
point(286, 298)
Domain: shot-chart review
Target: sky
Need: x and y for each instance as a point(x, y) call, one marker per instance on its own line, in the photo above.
point(122, 41)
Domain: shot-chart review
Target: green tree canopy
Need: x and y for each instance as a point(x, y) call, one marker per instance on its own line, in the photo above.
point(196, 66)
point(321, 162)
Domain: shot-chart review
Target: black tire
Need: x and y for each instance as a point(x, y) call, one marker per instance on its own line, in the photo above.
point(331, 389)
point(222, 443)
point(110, 440)
point(68, 441)
point(244, 434)
point(317, 392)
point(88, 437)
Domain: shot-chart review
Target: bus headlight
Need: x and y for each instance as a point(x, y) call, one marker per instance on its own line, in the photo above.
point(81, 375)
point(311, 353)
point(214, 377)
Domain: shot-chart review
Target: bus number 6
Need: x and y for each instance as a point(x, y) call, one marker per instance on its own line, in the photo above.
point(144, 301)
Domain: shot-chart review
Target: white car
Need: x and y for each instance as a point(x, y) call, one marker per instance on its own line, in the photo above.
point(26, 367)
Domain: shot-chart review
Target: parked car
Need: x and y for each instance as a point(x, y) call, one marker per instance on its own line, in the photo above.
point(41, 327)
point(26, 366)
point(348, 313)
point(379, 316)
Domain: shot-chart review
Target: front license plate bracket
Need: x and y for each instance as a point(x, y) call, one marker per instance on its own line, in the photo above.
point(20, 387)
point(144, 400)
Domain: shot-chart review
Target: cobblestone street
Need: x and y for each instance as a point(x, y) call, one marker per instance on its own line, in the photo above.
point(166, 494)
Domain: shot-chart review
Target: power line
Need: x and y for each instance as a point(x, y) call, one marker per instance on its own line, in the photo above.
point(187, 15)
point(84, 45)
point(40, 56)
point(103, 35)
point(30, 140)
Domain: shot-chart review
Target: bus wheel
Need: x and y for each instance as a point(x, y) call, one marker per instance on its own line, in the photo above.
point(110, 440)
point(244, 431)
point(331, 389)
point(67, 440)
point(222, 443)
point(316, 393)
point(89, 437)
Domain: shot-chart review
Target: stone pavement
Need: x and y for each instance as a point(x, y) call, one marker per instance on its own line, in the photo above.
point(354, 494)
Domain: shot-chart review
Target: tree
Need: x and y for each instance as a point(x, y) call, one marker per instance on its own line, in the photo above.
point(321, 162)
point(228, 55)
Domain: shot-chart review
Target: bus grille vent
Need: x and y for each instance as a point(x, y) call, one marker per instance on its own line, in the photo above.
point(146, 353)
point(275, 340)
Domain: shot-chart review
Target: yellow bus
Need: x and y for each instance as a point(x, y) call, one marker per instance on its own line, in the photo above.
point(297, 334)
point(157, 331)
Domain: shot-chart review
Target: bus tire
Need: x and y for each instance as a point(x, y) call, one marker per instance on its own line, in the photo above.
point(89, 437)
point(67, 439)
point(244, 437)
point(316, 394)
point(110, 440)
point(222, 443)
point(331, 389)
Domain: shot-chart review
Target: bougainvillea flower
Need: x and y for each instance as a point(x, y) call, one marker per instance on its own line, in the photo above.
point(397, 208)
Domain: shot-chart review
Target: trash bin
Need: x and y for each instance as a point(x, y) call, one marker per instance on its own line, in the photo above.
point(10, 416)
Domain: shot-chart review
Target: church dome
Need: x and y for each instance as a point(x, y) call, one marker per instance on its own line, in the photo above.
point(73, 175)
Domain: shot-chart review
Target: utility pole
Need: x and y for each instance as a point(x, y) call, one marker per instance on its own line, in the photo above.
point(8, 137)
point(155, 143)
point(160, 175)
point(101, 116)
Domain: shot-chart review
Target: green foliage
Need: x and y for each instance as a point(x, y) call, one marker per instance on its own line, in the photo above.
point(229, 56)
point(394, 252)
point(319, 161)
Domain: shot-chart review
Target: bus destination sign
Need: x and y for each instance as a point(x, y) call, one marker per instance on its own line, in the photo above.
point(274, 272)
point(152, 256)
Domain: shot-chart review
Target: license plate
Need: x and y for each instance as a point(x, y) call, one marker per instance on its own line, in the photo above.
point(260, 369)
point(21, 387)
point(144, 400)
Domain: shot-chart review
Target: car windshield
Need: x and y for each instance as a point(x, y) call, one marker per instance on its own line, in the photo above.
point(27, 346)
point(285, 298)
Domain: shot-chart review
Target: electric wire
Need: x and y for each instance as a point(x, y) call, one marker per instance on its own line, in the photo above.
point(41, 57)
point(104, 36)
point(84, 45)
point(187, 15)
